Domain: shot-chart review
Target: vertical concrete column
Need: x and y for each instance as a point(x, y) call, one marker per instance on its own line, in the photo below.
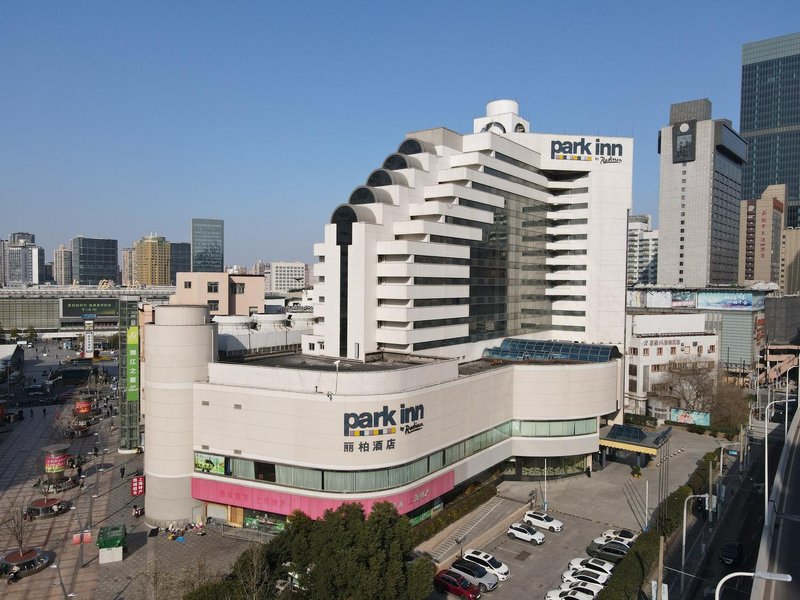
point(177, 348)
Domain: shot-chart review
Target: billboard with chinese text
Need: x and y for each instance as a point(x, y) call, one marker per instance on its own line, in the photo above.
point(132, 364)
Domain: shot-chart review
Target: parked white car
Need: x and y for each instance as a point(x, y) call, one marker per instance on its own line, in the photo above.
point(541, 519)
point(488, 562)
point(583, 586)
point(593, 564)
point(526, 533)
point(619, 535)
point(567, 595)
point(573, 575)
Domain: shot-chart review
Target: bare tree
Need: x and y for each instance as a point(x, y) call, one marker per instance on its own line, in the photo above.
point(253, 572)
point(195, 575)
point(690, 384)
point(730, 407)
point(64, 423)
point(156, 582)
point(17, 525)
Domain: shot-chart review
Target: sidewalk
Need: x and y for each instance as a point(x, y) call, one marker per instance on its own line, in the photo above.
point(20, 453)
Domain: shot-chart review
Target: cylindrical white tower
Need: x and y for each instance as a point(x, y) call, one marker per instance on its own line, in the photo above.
point(501, 107)
point(176, 351)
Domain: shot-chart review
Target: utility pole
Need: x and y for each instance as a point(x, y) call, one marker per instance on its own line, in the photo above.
point(659, 593)
point(710, 491)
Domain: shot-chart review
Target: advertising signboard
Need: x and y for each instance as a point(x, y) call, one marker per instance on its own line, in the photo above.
point(137, 485)
point(636, 299)
point(209, 463)
point(729, 300)
point(132, 364)
point(684, 136)
point(89, 308)
point(55, 463)
point(659, 299)
point(83, 407)
point(683, 298)
point(690, 417)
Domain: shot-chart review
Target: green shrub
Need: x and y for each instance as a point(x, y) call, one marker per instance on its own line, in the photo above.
point(640, 420)
point(631, 572)
point(427, 529)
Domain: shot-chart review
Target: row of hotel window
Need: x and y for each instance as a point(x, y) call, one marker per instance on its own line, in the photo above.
point(383, 479)
point(673, 350)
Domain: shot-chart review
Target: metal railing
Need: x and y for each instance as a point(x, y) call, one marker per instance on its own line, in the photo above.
point(252, 535)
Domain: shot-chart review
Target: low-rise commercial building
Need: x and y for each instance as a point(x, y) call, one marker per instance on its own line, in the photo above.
point(660, 347)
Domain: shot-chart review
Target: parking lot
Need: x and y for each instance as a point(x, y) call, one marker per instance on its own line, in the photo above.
point(537, 569)
point(611, 498)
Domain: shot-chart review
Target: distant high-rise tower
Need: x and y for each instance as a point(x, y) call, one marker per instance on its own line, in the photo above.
point(289, 276)
point(128, 267)
point(62, 265)
point(770, 118)
point(22, 238)
point(699, 197)
point(642, 251)
point(3, 260)
point(208, 245)
point(24, 265)
point(94, 260)
point(760, 231)
point(152, 259)
point(180, 259)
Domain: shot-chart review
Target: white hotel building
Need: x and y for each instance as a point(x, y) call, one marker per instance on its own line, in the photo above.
point(443, 284)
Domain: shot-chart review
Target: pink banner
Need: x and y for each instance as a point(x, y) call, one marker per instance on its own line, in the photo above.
point(284, 503)
point(55, 463)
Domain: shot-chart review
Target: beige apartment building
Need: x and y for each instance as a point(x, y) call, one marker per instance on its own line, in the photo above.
point(790, 261)
point(223, 293)
point(760, 229)
point(152, 260)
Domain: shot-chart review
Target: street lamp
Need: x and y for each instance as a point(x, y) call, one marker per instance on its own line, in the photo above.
point(722, 446)
point(61, 581)
point(757, 575)
point(683, 545)
point(83, 531)
point(766, 456)
point(786, 412)
point(544, 501)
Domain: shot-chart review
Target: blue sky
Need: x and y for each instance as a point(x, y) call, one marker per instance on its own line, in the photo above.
point(119, 119)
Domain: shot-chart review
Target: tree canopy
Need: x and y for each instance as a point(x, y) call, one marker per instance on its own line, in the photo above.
point(344, 555)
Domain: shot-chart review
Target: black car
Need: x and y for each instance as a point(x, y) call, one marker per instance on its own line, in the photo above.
point(730, 553)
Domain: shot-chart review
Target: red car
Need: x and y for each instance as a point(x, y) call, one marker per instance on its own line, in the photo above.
point(452, 582)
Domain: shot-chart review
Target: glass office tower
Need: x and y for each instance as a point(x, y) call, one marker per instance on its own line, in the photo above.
point(208, 245)
point(94, 260)
point(180, 260)
point(770, 118)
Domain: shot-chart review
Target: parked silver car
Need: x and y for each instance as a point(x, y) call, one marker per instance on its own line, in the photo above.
point(475, 574)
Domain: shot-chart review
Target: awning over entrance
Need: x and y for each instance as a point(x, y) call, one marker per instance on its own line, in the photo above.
point(634, 439)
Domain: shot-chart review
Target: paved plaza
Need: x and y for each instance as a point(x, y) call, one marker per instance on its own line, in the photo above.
point(105, 500)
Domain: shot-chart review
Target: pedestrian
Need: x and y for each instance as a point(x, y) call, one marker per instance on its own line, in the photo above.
point(31, 413)
point(80, 470)
point(96, 449)
point(122, 472)
point(44, 412)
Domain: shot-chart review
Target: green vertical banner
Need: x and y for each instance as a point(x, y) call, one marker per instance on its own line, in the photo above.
point(132, 364)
